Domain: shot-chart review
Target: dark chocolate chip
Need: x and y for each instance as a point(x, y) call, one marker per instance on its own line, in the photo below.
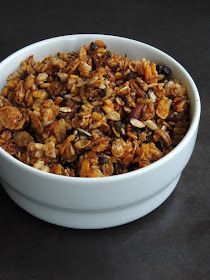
point(163, 69)
point(93, 47)
point(118, 126)
point(55, 69)
point(24, 75)
point(97, 109)
point(107, 55)
point(132, 75)
point(117, 168)
point(159, 145)
point(102, 92)
point(133, 166)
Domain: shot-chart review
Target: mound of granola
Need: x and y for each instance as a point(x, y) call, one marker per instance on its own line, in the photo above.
point(91, 114)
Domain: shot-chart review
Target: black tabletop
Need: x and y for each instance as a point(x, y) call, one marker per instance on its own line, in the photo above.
point(173, 242)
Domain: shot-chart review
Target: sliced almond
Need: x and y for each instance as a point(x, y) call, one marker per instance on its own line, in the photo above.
point(152, 96)
point(84, 131)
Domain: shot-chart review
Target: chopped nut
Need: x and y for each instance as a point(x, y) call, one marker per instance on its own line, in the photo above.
point(136, 112)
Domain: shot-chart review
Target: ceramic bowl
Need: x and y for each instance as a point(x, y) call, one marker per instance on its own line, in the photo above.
point(97, 202)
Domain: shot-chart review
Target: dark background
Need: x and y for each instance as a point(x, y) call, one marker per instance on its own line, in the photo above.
point(173, 242)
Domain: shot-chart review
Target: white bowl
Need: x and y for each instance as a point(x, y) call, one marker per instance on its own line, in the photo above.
point(98, 202)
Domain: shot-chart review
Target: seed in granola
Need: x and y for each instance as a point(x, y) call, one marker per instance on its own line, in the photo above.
point(65, 109)
point(152, 96)
point(137, 123)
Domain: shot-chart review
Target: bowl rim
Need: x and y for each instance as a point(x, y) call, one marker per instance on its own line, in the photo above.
point(192, 129)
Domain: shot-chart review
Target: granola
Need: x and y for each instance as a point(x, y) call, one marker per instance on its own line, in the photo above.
point(91, 113)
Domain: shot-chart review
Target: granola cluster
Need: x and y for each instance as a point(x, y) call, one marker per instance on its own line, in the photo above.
point(91, 114)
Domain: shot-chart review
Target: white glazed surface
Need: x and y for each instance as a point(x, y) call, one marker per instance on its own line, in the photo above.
point(52, 195)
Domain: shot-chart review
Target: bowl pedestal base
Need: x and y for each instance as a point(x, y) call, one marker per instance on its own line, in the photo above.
point(91, 219)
